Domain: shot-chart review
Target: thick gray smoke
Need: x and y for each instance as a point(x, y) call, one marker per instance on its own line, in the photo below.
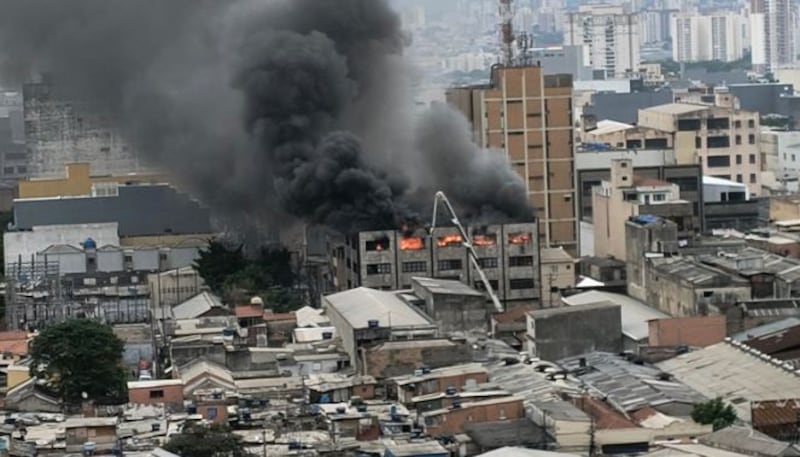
point(265, 108)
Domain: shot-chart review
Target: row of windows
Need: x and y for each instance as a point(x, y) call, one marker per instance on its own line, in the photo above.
point(717, 142)
point(739, 178)
point(447, 265)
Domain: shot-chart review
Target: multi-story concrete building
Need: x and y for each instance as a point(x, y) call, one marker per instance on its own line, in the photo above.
point(58, 132)
point(390, 259)
point(528, 115)
point(772, 34)
point(558, 273)
point(713, 132)
point(780, 152)
point(609, 35)
point(627, 195)
point(713, 36)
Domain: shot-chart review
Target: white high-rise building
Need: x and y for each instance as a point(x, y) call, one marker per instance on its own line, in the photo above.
point(714, 36)
point(772, 34)
point(609, 36)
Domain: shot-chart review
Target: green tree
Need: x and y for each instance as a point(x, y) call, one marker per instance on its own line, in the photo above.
point(80, 356)
point(207, 441)
point(715, 412)
point(217, 263)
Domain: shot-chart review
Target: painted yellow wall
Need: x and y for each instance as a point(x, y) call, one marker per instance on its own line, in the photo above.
point(17, 375)
point(76, 182)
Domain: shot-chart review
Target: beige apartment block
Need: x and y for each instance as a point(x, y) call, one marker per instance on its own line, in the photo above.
point(528, 116)
point(558, 273)
point(625, 196)
point(724, 139)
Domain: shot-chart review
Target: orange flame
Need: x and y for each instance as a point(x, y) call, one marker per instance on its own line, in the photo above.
point(449, 240)
point(412, 243)
point(484, 240)
point(519, 238)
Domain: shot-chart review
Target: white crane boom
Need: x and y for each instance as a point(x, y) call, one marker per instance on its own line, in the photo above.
point(467, 242)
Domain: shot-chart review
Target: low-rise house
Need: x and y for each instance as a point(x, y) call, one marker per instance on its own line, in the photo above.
point(426, 381)
point(736, 373)
point(204, 304)
point(336, 388)
point(95, 433)
point(776, 418)
point(519, 432)
point(279, 328)
point(569, 425)
point(613, 432)
point(511, 326)
point(444, 422)
point(668, 428)
point(26, 397)
point(629, 384)
point(397, 358)
point(442, 400)
point(156, 392)
point(204, 375)
point(783, 345)
point(690, 450)
point(416, 449)
point(745, 440)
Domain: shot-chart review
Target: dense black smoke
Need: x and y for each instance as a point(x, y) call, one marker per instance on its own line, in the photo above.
point(265, 108)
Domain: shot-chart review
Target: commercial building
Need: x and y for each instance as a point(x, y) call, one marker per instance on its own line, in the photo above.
point(389, 259)
point(772, 34)
point(719, 136)
point(626, 196)
point(609, 35)
point(528, 115)
point(366, 317)
point(698, 331)
point(78, 181)
point(703, 37)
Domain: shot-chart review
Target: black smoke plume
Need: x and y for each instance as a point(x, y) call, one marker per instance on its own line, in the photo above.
point(265, 109)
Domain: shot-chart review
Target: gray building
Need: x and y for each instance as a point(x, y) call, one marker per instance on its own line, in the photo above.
point(139, 211)
point(557, 333)
point(452, 304)
point(389, 259)
point(764, 98)
point(625, 107)
point(561, 60)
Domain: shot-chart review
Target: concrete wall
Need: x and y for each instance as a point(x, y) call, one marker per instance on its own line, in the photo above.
point(170, 395)
point(452, 422)
point(554, 334)
point(457, 313)
point(78, 181)
point(699, 331)
point(382, 362)
point(24, 244)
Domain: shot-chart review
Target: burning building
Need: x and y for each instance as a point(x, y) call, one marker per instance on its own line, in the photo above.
point(389, 259)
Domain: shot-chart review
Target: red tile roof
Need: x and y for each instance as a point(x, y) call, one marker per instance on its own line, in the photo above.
point(248, 311)
point(604, 415)
point(775, 412)
point(14, 343)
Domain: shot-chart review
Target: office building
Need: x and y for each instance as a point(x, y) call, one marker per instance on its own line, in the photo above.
point(528, 115)
point(714, 36)
point(610, 38)
point(772, 34)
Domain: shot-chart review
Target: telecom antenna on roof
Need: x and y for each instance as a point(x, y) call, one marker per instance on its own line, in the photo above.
point(506, 32)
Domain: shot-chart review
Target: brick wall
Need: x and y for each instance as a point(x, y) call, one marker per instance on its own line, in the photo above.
point(452, 421)
point(700, 331)
point(171, 395)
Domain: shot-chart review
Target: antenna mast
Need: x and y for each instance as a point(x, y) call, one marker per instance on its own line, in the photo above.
point(506, 32)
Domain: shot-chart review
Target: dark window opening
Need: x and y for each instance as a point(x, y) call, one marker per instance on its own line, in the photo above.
point(378, 245)
point(450, 264)
point(488, 262)
point(718, 161)
point(718, 123)
point(718, 141)
point(414, 267)
point(655, 143)
point(520, 261)
point(379, 269)
point(688, 124)
point(156, 394)
point(520, 283)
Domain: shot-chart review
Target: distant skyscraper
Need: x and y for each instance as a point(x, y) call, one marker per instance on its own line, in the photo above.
point(714, 36)
point(771, 34)
point(609, 36)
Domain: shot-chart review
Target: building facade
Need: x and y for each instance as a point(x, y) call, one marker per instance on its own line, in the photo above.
point(772, 34)
point(609, 35)
point(388, 260)
point(714, 36)
point(528, 115)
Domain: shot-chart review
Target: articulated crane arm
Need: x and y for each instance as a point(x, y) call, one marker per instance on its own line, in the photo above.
point(466, 241)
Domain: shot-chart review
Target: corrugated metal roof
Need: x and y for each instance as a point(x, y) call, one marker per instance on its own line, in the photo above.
point(737, 375)
point(629, 385)
point(747, 441)
point(766, 329)
point(359, 306)
point(196, 306)
point(677, 108)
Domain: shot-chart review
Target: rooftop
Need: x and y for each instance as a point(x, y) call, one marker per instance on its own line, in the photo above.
point(690, 450)
point(634, 313)
point(248, 311)
point(628, 385)
point(734, 373)
point(745, 440)
point(607, 126)
point(197, 306)
point(677, 108)
point(695, 273)
point(509, 451)
point(154, 383)
point(714, 181)
point(415, 449)
point(520, 432)
point(77, 422)
point(437, 373)
point(605, 417)
point(445, 286)
point(648, 181)
point(361, 305)
point(766, 329)
point(552, 255)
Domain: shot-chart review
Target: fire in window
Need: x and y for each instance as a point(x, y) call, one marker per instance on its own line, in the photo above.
point(449, 241)
point(519, 238)
point(412, 243)
point(378, 245)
